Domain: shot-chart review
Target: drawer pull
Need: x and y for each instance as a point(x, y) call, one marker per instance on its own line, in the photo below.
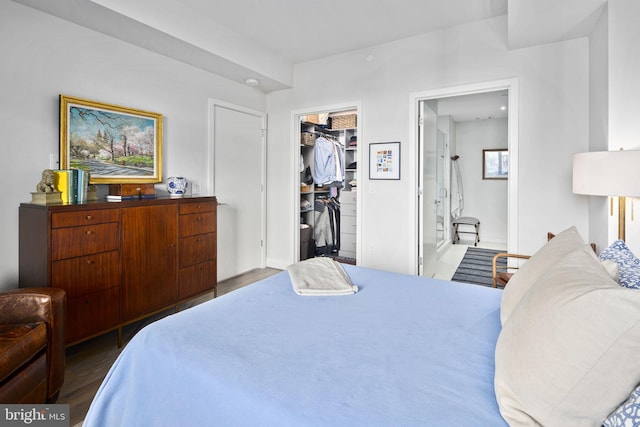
point(88, 232)
point(89, 217)
point(89, 261)
point(199, 218)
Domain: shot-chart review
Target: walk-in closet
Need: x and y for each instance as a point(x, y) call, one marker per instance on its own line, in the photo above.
point(328, 185)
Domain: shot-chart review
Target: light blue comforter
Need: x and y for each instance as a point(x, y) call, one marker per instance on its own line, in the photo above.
point(403, 351)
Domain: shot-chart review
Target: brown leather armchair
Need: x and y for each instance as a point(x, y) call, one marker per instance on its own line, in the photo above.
point(32, 348)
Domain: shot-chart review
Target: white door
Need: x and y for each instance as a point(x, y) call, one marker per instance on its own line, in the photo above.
point(428, 138)
point(238, 184)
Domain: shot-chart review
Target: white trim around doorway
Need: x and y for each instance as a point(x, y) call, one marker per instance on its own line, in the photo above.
point(511, 84)
point(295, 161)
point(212, 103)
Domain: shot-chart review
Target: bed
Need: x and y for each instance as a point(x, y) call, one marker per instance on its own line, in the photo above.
point(557, 347)
point(401, 351)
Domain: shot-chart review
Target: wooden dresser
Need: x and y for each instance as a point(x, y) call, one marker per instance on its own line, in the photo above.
point(119, 261)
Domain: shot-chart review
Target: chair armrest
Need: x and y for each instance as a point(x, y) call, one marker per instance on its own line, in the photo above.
point(48, 305)
point(30, 305)
point(494, 266)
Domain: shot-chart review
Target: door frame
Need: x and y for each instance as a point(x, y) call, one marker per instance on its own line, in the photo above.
point(212, 104)
point(512, 85)
point(295, 162)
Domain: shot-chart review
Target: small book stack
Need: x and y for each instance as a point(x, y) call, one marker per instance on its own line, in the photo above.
point(73, 185)
point(120, 192)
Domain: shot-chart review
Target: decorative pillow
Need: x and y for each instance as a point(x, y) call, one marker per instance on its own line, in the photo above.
point(628, 264)
point(568, 354)
point(563, 243)
point(628, 414)
point(612, 268)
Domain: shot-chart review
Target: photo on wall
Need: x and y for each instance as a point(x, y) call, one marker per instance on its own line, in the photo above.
point(384, 160)
point(495, 163)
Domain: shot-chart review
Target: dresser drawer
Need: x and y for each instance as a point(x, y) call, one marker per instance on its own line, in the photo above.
point(347, 242)
point(196, 249)
point(73, 219)
point(198, 223)
point(190, 208)
point(92, 313)
point(347, 254)
point(85, 274)
point(348, 210)
point(77, 241)
point(196, 279)
point(347, 223)
point(348, 198)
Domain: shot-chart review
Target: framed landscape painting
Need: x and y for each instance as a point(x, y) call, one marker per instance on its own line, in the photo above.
point(114, 144)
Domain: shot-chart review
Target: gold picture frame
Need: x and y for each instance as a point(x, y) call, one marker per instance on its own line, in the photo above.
point(114, 144)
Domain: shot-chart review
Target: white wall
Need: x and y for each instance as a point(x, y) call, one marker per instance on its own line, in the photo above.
point(623, 93)
point(553, 126)
point(598, 125)
point(485, 199)
point(43, 56)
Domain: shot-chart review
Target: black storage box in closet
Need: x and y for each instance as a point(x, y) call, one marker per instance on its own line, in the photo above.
point(307, 245)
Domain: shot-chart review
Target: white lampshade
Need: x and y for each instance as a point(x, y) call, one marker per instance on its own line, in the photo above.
point(607, 173)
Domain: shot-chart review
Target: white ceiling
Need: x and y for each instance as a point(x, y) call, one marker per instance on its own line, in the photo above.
point(265, 38)
point(480, 106)
point(301, 30)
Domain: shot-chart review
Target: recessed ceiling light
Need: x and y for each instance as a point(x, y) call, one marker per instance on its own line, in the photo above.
point(251, 81)
point(503, 108)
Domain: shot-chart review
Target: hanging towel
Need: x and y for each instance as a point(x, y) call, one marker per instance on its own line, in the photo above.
point(320, 277)
point(457, 199)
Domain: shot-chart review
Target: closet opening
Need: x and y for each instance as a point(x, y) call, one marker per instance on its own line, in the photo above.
point(328, 184)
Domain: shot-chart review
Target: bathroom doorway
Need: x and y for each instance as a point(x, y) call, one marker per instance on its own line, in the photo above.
point(444, 121)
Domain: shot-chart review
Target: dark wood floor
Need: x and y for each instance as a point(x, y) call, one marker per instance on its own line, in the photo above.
point(88, 362)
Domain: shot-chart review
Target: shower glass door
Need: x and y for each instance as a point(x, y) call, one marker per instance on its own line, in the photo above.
point(442, 193)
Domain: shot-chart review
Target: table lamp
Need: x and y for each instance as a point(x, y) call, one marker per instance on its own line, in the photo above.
point(608, 173)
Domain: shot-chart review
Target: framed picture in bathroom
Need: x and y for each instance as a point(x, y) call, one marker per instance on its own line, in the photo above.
point(495, 163)
point(115, 144)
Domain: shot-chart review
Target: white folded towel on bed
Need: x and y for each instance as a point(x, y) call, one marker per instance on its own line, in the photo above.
point(320, 276)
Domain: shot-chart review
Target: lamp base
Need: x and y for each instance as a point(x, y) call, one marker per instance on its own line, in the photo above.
point(622, 207)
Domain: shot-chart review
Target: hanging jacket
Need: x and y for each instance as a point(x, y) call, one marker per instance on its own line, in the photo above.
point(322, 226)
point(328, 157)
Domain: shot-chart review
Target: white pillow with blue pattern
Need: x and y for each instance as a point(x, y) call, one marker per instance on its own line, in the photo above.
point(628, 414)
point(628, 264)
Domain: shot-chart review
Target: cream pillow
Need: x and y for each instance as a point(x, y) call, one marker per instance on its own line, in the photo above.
point(556, 248)
point(568, 354)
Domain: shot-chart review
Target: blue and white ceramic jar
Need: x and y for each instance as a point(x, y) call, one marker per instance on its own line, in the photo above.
point(176, 186)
